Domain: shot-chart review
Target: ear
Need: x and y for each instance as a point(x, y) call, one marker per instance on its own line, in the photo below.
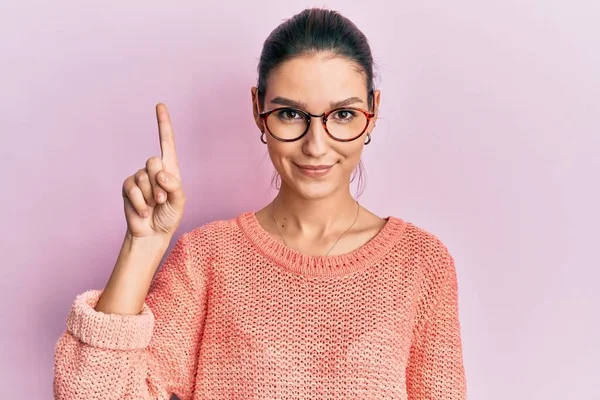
point(256, 109)
point(376, 103)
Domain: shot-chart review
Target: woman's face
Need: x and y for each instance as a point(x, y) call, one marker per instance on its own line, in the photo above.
point(315, 84)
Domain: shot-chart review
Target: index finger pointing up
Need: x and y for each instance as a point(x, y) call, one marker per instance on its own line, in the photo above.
point(167, 139)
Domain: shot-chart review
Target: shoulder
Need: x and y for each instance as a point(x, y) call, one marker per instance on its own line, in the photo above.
point(434, 269)
point(216, 226)
point(217, 234)
point(429, 253)
point(431, 247)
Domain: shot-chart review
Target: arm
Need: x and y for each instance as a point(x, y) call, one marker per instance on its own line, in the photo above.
point(435, 368)
point(149, 355)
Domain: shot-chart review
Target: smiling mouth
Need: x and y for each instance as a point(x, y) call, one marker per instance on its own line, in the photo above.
point(314, 170)
point(314, 167)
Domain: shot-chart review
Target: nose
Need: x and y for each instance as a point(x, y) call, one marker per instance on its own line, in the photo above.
point(315, 140)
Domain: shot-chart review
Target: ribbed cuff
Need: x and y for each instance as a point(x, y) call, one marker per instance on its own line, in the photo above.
point(109, 331)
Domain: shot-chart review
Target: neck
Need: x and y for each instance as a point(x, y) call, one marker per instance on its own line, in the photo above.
point(314, 217)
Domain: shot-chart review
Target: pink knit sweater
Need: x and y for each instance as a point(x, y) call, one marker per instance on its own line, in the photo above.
point(235, 314)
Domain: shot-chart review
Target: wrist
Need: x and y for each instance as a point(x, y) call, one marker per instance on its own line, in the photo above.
point(148, 245)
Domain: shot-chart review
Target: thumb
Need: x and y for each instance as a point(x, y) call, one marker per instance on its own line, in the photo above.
point(172, 185)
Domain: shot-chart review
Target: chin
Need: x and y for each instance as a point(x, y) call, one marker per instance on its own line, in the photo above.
point(314, 190)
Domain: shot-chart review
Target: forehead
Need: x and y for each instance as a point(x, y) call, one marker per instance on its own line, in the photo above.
point(316, 80)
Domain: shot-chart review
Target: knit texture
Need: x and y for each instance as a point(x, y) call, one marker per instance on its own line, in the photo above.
point(235, 314)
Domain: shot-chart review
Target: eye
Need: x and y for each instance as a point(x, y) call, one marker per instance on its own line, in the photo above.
point(343, 115)
point(289, 114)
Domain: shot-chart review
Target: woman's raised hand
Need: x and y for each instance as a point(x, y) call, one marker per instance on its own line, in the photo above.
point(153, 197)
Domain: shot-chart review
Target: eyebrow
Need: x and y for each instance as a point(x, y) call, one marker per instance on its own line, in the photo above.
point(298, 104)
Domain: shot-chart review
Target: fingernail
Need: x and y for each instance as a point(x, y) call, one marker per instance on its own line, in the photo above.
point(145, 214)
point(163, 177)
point(161, 196)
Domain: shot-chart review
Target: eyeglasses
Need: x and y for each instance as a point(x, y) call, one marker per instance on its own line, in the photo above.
point(288, 124)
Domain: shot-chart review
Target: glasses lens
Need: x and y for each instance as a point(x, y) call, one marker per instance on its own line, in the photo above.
point(287, 123)
point(342, 124)
point(346, 124)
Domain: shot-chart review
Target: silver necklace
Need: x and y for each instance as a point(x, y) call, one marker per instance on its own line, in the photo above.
point(336, 242)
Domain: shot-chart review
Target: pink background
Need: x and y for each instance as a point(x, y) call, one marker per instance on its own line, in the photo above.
point(489, 138)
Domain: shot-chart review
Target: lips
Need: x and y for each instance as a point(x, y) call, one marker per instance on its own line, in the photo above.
point(314, 167)
point(314, 171)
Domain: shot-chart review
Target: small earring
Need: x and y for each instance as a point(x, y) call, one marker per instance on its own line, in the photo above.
point(263, 138)
point(368, 139)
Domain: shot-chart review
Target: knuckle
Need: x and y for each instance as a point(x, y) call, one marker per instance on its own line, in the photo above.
point(141, 176)
point(154, 163)
point(128, 183)
point(131, 191)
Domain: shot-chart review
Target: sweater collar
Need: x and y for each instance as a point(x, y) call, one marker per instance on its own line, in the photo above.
point(334, 265)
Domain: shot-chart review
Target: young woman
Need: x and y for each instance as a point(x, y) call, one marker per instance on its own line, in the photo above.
point(311, 297)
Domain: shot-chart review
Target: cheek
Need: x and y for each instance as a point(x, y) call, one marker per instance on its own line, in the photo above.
point(350, 152)
point(279, 151)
